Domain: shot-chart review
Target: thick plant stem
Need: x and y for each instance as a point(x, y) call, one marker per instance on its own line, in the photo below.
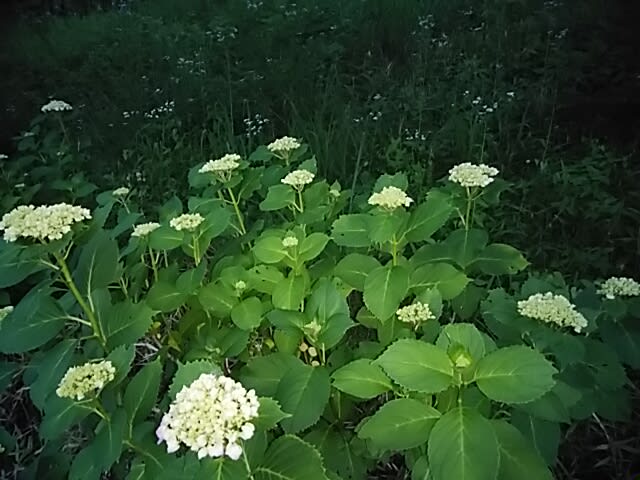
point(246, 463)
point(236, 207)
point(394, 251)
point(68, 280)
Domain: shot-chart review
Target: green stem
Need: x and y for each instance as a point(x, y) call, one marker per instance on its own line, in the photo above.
point(246, 463)
point(394, 251)
point(64, 130)
point(196, 250)
point(301, 202)
point(236, 207)
point(154, 264)
point(68, 280)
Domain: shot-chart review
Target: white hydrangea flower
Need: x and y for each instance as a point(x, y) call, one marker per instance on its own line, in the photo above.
point(390, 198)
point(284, 145)
point(84, 379)
point(619, 287)
point(470, 175)
point(415, 313)
point(289, 242)
point(210, 417)
point(550, 308)
point(298, 178)
point(4, 311)
point(187, 221)
point(3, 156)
point(121, 192)
point(144, 229)
point(46, 222)
point(56, 106)
point(226, 164)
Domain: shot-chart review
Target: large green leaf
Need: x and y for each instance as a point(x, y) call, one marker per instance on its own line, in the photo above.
point(290, 458)
point(464, 334)
point(340, 452)
point(542, 434)
point(355, 268)
point(98, 263)
point(125, 323)
point(624, 337)
point(325, 302)
point(428, 217)
point(59, 415)
point(499, 259)
point(140, 395)
point(263, 374)
point(7, 372)
point(289, 294)
point(278, 196)
point(464, 246)
point(417, 366)
point(165, 297)
point(269, 413)
point(445, 277)
point(351, 230)
point(264, 278)
point(35, 320)
point(222, 469)
point(16, 263)
point(51, 368)
point(518, 459)
point(516, 374)
point(218, 298)
point(312, 246)
point(361, 379)
point(400, 424)
point(247, 314)
point(303, 392)
point(384, 289)
point(269, 250)
point(109, 441)
point(463, 446)
point(165, 238)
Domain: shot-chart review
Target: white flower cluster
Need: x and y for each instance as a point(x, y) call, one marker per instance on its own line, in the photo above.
point(187, 221)
point(415, 313)
point(551, 308)
point(284, 145)
point(390, 198)
point(4, 311)
point(289, 242)
point(121, 192)
point(210, 416)
point(56, 106)
point(3, 156)
point(240, 285)
point(223, 165)
point(144, 229)
point(470, 175)
point(254, 125)
point(46, 222)
point(298, 178)
point(619, 287)
point(80, 381)
point(166, 108)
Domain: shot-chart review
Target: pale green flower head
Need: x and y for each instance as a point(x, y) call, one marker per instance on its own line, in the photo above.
point(47, 222)
point(84, 380)
point(284, 145)
point(390, 198)
point(298, 179)
point(121, 192)
point(144, 229)
point(415, 313)
point(211, 417)
point(56, 106)
point(222, 166)
point(619, 287)
point(470, 175)
point(554, 309)
point(187, 221)
point(289, 242)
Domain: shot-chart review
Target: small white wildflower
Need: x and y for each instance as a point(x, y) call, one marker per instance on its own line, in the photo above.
point(56, 106)
point(470, 175)
point(187, 221)
point(121, 192)
point(415, 313)
point(289, 242)
point(3, 156)
point(4, 311)
point(225, 164)
point(46, 222)
point(240, 285)
point(144, 229)
point(619, 287)
point(81, 380)
point(284, 145)
point(511, 94)
point(210, 417)
point(551, 308)
point(390, 198)
point(298, 179)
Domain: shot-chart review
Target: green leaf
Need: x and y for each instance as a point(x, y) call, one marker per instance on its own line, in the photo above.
point(361, 379)
point(334, 330)
point(121, 357)
point(303, 392)
point(355, 268)
point(464, 334)
point(51, 368)
point(499, 259)
point(264, 278)
point(542, 434)
point(464, 246)
point(385, 226)
point(16, 263)
point(35, 320)
point(463, 446)
point(339, 451)
point(140, 395)
point(109, 441)
point(187, 373)
point(59, 415)
point(400, 424)
point(125, 323)
point(351, 230)
point(165, 238)
point(516, 374)
point(263, 374)
point(312, 246)
point(221, 469)
point(269, 250)
point(428, 217)
point(420, 469)
point(290, 458)
point(384, 289)
point(446, 278)
point(247, 315)
point(269, 413)
point(7, 372)
point(624, 337)
point(165, 297)
point(217, 298)
point(98, 263)
point(517, 457)
point(278, 196)
point(84, 465)
point(325, 302)
point(289, 294)
point(188, 282)
point(417, 366)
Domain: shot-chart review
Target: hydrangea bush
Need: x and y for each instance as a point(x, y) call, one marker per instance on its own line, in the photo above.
point(278, 326)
